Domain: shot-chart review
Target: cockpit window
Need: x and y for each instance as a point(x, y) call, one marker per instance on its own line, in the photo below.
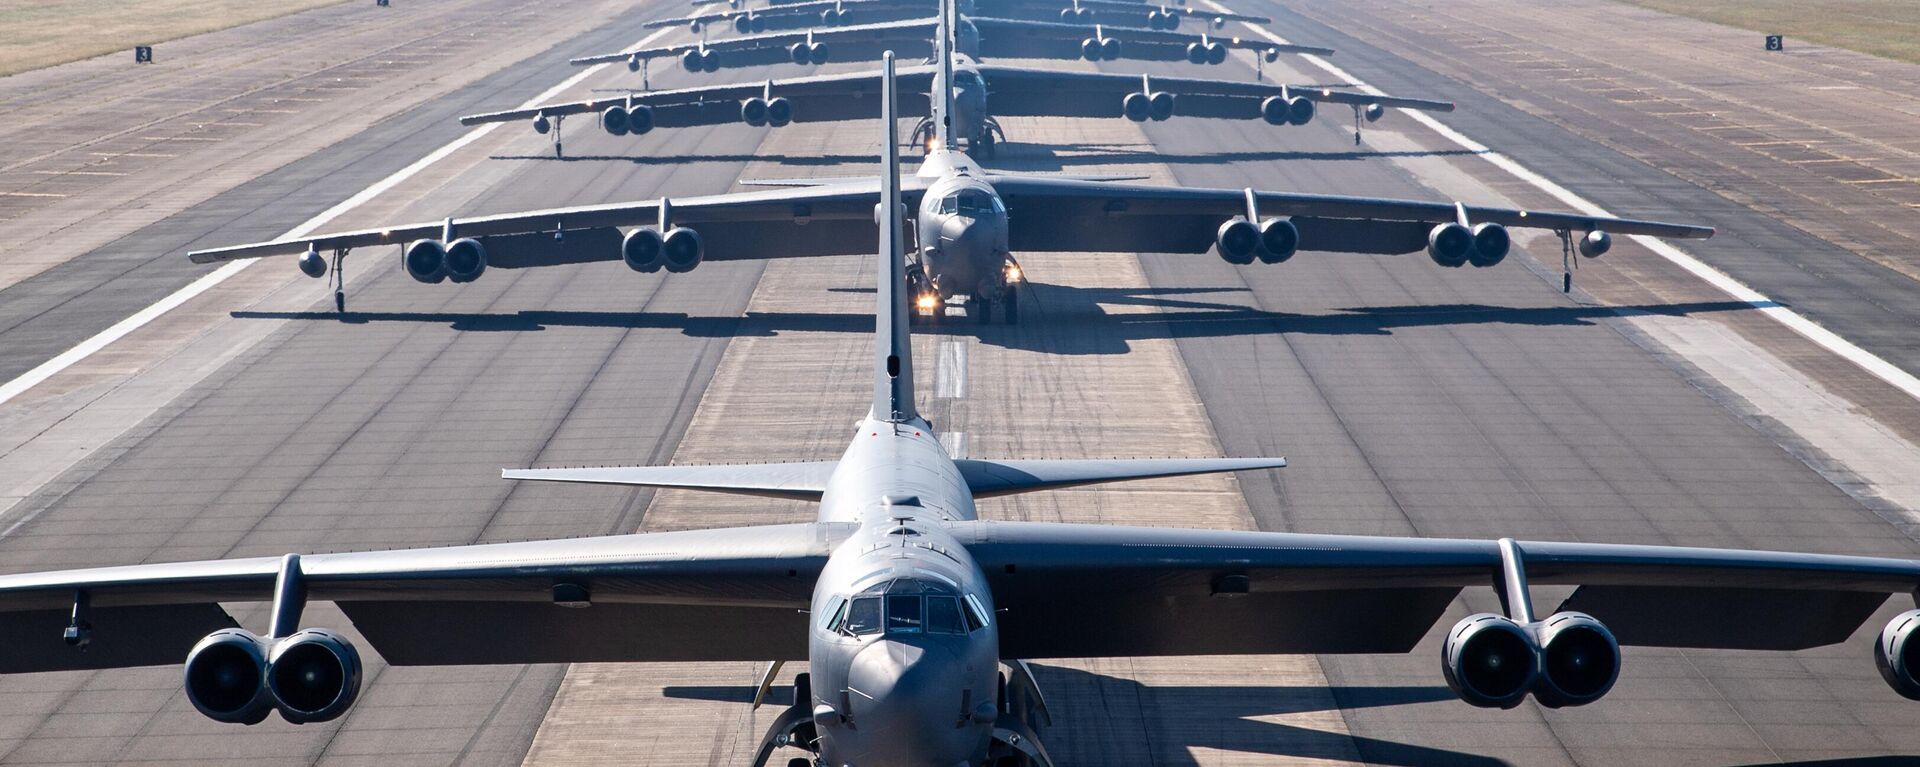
point(976, 617)
point(903, 614)
point(964, 78)
point(943, 616)
point(836, 610)
point(863, 617)
point(971, 203)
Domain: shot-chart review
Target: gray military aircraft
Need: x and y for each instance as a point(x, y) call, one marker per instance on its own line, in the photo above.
point(905, 604)
point(965, 237)
point(980, 94)
point(839, 13)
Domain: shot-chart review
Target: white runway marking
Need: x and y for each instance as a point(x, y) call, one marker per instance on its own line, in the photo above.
point(1827, 339)
point(950, 374)
point(87, 348)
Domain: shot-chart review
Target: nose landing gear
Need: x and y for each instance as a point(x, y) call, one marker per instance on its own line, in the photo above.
point(793, 727)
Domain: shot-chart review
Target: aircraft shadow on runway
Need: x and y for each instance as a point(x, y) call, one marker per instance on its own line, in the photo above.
point(1056, 319)
point(1102, 731)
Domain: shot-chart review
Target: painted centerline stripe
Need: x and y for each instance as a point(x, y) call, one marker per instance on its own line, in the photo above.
point(87, 348)
point(1874, 364)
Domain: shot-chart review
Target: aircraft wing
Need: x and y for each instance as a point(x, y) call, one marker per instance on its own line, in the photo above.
point(816, 98)
point(776, 223)
point(1088, 216)
point(908, 38)
point(721, 594)
point(1034, 92)
point(1098, 591)
point(797, 481)
point(1025, 39)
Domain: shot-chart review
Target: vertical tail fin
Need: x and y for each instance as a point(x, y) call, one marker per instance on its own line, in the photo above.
point(892, 346)
point(943, 99)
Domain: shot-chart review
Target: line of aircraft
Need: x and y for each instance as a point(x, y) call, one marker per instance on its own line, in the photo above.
point(915, 617)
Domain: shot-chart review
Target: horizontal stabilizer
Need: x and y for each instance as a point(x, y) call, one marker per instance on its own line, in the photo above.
point(831, 180)
point(796, 481)
point(993, 478)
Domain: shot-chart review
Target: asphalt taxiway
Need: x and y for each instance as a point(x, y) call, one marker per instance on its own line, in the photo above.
point(1410, 399)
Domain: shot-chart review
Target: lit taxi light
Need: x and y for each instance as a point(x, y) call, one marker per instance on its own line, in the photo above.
point(926, 303)
point(1013, 273)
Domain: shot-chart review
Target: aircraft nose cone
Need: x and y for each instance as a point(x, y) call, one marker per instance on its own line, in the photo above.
point(906, 704)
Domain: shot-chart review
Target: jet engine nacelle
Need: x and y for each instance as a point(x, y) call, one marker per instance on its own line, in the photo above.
point(1489, 661)
point(682, 250)
point(633, 62)
point(314, 676)
point(1196, 53)
point(749, 24)
point(541, 124)
point(696, 60)
point(426, 261)
point(1374, 112)
point(808, 53)
point(753, 111)
point(226, 677)
point(1076, 16)
point(1100, 49)
point(639, 119)
point(1297, 110)
point(614, 120)
point(1579, 660)
point(1163, 20)
point(1237, 241)
point(1450, 244)
point(1159, 105)
point(1279, 238)
point(312, 264)
point(834, 18)
point(1596, 244)
point(1490, 244)
point(466, 259)
point(1136, 107)
point(643, 250)
point(779, 111)
point(1897, 653)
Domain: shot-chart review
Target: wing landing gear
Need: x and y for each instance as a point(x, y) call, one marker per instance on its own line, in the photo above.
point(559, 152)
point(339, 281)
point(1567, 262)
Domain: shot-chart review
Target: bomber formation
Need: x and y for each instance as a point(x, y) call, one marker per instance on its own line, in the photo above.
point(915, 616)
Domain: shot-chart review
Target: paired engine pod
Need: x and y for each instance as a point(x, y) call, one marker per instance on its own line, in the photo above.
point(1237, 241)
point(1490, 244)
point(1450, 245)
point(1160, 106)
point(779, 111)
point(426, 261)
point(1579, 660)
point(1090, 50)
point(226, 677)
point(1136, 107)
point(710, 60)
point(639, 119)
point(1897, 653)
point(312, 264)
point(1110, 48)
point(614, 120)
point(1299, 110)
point(643, 250)
point(1279, 238)
point(800, 53)
point(314, 676)
point(692, 60)
point(1489, 661)
point(682, 249)
point(1596, 244)
point(1216, 53)
point(753, 111)
point(466, 260)
point(1196, 53)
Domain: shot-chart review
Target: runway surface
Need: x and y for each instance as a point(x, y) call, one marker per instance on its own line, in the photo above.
point(1410, 399)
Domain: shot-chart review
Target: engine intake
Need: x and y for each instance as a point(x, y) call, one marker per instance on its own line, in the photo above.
point(1596, 244)
point(614, 120)
point(1296, 110)
point(1237, 241)
point(682, 249)
point(1450, 245)
point(1279, 238)
point(1898, 654)
point(643, 250)
point(466, 259)
point(1490, 244)
point(1489, 661)
point(426, 261)
point(226, 677)
point(779, 111)
point(312, 264)
point(314, 676)
point(541, 124)
point(1579, 660)
point(1374, 112)
point(753, 111)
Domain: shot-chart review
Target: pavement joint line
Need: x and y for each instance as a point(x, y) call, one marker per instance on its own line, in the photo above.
point(25, 381)
point(1874, 364)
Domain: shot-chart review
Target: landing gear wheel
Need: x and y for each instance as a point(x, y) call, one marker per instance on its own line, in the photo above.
point(339, 302)
point(803, 691)
point(987, 146)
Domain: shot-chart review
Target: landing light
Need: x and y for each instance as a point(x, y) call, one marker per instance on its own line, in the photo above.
point(1013, 272)
point(925, 302)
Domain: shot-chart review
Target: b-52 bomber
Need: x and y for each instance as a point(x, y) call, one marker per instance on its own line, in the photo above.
point(965, 237)
point(980, 93)
point(906, 605)
point(839, 13)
